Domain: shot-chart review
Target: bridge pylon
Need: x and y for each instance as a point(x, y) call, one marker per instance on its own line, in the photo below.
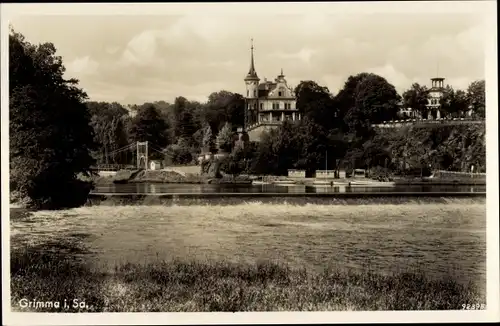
point(142, 155)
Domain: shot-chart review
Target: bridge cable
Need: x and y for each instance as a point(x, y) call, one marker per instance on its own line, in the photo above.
point(125, 148)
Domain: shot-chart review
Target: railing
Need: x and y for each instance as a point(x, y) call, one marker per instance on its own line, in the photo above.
point(111, 167)
point(325, 174)
point(441, 174)
point(281, 108)
point(407, 122)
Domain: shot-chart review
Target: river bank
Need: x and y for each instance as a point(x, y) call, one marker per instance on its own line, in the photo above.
point(167, 176)
point(253, 256)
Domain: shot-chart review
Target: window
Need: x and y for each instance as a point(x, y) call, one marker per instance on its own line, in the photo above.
point(281, 92)
point(262, 106)
point(254, 93)
point(248, 92)
point(276, 106)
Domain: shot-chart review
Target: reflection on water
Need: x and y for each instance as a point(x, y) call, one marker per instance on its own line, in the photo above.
point(156, 188)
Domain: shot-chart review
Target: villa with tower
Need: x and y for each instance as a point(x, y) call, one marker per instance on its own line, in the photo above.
point(267, 103)
point(435, 94)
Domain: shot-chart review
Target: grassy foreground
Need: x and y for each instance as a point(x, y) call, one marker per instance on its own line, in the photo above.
point(197, 286)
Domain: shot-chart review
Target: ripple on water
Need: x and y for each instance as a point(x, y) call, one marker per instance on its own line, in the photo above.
point(380, 237)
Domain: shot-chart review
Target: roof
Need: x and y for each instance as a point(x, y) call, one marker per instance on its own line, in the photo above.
point(265, 88)
point(267, 85)
point(252, 74)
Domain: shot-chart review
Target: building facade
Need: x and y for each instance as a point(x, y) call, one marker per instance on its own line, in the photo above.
point(267, 103)
point(435, 94)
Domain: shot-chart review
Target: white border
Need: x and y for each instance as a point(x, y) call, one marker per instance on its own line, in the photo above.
point(488, 8)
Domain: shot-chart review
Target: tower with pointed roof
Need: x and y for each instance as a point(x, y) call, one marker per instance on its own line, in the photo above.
point(267, 104)
point(252, 80)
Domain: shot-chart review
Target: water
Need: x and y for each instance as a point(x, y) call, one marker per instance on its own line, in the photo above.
point(444, 240)
point(142, 188)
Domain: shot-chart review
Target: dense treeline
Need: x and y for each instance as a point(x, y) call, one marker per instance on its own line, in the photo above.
point(50, 128)
point(336, 129)
point(56, 134)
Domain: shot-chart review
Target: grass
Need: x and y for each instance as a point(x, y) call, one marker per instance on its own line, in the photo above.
point(253, 256)
point(171, 286)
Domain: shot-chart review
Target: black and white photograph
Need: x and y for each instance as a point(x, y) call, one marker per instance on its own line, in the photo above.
point(254, 162)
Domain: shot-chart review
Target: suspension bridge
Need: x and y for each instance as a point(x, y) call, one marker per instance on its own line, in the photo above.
point(132, 156)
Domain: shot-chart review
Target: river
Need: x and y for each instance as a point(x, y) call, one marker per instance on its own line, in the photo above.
point(154, 188)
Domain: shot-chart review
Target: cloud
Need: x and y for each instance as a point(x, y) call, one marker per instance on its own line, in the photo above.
point(141, 50)
point(392, 75)
point(227, 63)
point(112, 49)
point(83, 66)
point(304, 55)
point(140, 58)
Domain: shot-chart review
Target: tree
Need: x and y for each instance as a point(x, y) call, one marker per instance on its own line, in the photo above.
point(105, 109)
point(149, 126)
point(453, 103)
point(476, 94)
point(372, 101)
point(184, 124)
point(377, 99)
point(316, 103)
point(222, 107)
point(461, 104)
point(345, 99)
point(375, 152)
point(179, 153)
point(208, 139)
point(108, 122)
point(313, 145)
point(225, 138)
point(119, 140)
point(284, 147)
point(417, 98)
point(50, 133)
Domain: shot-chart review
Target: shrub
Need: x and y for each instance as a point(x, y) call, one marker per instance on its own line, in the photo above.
point(178, 154)
point(380, 173)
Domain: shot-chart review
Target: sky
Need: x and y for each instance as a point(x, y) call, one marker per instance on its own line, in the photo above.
point(132, 59)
